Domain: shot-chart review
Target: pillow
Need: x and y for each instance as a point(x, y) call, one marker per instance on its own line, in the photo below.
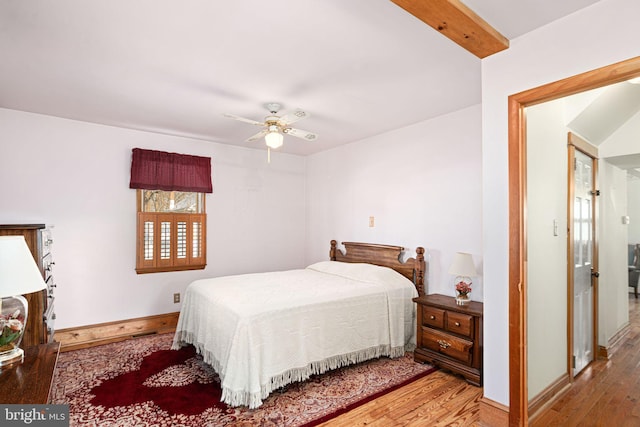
point(363, 272)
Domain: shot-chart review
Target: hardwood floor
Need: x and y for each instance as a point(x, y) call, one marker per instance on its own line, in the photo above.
point(439, 399)
point(607, 393)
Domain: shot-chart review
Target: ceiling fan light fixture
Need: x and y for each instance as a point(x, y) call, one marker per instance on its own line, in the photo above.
point(274, 126)
point(273, 139)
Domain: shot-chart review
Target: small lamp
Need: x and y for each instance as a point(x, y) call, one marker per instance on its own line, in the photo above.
point(463, 268)
point(19, 275)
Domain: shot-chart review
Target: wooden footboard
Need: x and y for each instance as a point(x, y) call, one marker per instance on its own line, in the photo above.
point(384, 255)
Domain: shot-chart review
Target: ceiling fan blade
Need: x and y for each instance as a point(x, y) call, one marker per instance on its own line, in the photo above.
point(293, 117)
point(257, 136)
point(242, 119)
point(309, 136)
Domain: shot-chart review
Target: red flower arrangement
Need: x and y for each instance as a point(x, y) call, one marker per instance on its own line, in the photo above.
point(463, 288)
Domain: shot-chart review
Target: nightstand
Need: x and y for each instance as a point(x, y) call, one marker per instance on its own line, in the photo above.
point(450, 335)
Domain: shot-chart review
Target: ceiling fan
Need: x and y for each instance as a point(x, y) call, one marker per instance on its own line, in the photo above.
point(275, 127)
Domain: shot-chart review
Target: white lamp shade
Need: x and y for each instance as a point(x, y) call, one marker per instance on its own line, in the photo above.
point(463, 265)
point(19, 273)
point(274, 139)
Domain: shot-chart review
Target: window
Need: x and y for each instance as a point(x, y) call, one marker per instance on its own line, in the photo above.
point(171, 227)
point(171, 231)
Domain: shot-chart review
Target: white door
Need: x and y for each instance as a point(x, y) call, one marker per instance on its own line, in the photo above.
point(583, 262)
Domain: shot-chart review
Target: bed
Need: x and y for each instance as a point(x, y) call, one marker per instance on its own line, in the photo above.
point(263, 331)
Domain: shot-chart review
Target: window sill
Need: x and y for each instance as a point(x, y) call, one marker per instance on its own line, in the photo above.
point(168, 269)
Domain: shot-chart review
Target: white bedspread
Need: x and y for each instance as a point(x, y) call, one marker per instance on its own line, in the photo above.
point(263, 331)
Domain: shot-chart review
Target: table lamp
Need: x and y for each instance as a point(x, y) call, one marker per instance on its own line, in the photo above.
point(19, 275)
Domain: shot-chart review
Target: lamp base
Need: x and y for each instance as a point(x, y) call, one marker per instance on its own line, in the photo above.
point(13, 319)
point(11, 357)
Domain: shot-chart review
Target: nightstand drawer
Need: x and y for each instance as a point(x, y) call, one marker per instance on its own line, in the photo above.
point(433, 317)
point(454, 347)
point(459, 323)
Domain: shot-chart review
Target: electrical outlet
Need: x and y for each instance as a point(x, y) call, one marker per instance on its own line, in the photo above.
point(372, 221)
point(176, 298)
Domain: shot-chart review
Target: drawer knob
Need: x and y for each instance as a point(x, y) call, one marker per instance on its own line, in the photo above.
point(432, 317)
point(457, 323)
point(443, 344)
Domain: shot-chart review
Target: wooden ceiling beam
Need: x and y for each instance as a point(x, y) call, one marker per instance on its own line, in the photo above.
point(459, 23)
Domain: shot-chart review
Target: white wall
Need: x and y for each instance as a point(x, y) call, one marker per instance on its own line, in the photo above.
point(633, 209)
point(75, 175)
point(547, 251)
point(613, 297)
point(602, 34)
point(421, 183)
point(626, 141)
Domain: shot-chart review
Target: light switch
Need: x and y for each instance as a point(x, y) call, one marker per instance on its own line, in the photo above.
point(371, 221)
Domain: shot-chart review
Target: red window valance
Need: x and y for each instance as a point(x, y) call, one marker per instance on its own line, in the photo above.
point(159, 170)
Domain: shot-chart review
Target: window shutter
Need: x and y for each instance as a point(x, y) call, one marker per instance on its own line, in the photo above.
point(171, 242)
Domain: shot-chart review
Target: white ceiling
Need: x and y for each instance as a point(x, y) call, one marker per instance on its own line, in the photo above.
point(601, 112)
point(359, 67)
point(606, 110)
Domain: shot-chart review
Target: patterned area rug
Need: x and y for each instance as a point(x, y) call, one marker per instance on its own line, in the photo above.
point(142, 382)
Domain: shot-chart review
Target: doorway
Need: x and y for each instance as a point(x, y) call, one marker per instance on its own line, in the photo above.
point(518, 397)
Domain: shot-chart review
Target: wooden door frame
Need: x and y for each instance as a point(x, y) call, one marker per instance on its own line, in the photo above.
point(615, 73)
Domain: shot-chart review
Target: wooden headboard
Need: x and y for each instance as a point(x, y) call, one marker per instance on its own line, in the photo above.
point(385, 255)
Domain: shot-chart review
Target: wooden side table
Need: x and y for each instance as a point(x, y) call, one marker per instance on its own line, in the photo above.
point(29, 382)
point(450, 335)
